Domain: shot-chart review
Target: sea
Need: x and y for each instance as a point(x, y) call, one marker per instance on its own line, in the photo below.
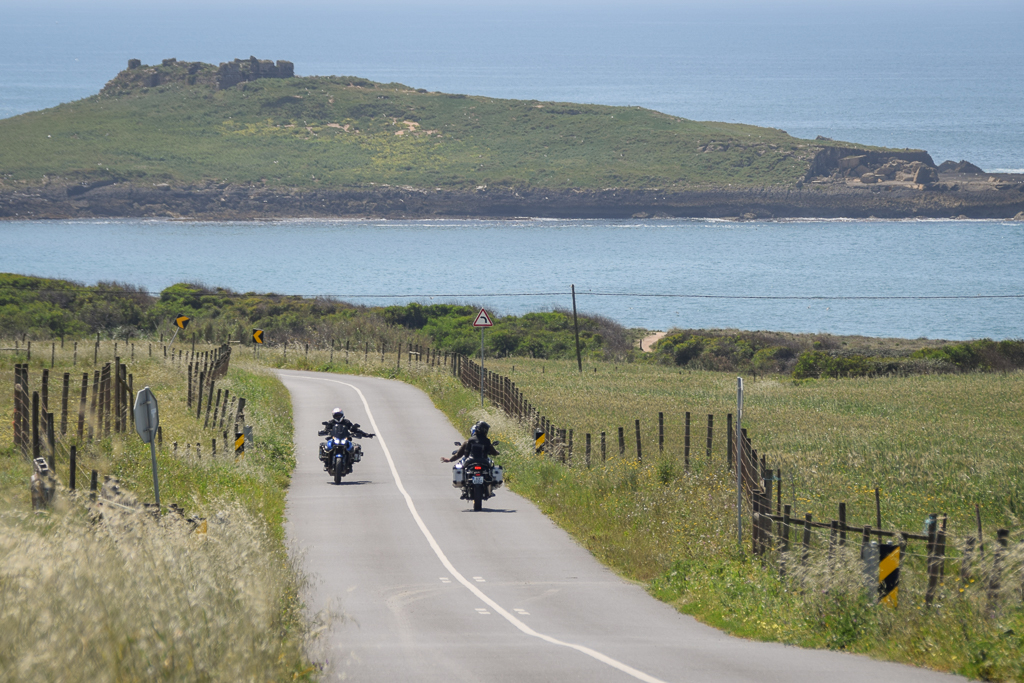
point(936, 75)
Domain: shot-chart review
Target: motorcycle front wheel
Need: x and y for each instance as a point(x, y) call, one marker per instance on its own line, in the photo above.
point(338, 466)
point(478, 497)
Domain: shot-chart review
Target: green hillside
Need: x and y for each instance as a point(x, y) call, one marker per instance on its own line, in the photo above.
point(342, 131)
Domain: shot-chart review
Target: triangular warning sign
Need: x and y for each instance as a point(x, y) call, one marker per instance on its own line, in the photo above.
point(482, 319)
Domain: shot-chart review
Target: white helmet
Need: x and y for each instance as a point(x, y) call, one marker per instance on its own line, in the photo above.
point(338, 414)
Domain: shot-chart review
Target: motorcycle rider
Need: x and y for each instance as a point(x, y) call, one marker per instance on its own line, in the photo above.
point(478, 447)
point(340, 428)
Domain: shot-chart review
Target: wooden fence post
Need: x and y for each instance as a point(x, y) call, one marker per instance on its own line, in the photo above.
point(94, 427)
point(833, 532)
point(965, 564)
point(72, 467)
point(117, 395)
point(588, 451)
point(686, 442)
point(622, 442)
point(216, 410)
point(729, 441)
point(711, 432)
point(65, 387)
point(82, 400)
point(784, 539)
point(936, 556)
point(639, 451)
point(807, 540)
point(842, 524)
point(209, 404)
point(51, 443)
point(602, 447)
point(995, 580)
point(661, 433)
point(35, 425)
point(199, 394)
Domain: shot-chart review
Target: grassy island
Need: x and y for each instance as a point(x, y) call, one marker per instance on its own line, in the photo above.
point(249, 140)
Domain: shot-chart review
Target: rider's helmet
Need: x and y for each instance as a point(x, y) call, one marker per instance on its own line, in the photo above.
point(481, 429)
point(338, 414)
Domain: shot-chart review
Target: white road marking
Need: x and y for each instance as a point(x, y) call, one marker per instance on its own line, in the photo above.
point(520, 612)
point(603, 658)
point(481, 610)
point(445, 579)
point(479, 579)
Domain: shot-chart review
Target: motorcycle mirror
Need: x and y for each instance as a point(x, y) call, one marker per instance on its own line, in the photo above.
point(458, 443)
point(495, 443)
point(325, 423)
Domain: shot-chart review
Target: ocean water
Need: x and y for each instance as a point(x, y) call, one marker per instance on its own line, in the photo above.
point(939, 75)
point(799, 276)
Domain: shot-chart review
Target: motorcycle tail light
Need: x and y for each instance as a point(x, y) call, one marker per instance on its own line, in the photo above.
point(478, 468)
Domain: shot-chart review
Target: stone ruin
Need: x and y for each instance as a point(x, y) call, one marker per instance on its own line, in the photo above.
point(170, 70)
point(241, 70)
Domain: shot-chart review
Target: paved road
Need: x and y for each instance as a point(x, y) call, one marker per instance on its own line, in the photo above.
point(431, 591)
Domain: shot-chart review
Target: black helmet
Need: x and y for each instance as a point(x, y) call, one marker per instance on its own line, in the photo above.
point(338, 414)
point(482, 428)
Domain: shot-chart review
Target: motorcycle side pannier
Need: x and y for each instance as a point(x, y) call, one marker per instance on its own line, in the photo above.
point(457, 476)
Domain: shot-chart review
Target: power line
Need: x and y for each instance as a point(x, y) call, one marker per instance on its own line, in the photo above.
point(471, 295)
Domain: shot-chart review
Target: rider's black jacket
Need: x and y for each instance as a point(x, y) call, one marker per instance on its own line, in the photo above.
point(476, 448)
point(342, 429)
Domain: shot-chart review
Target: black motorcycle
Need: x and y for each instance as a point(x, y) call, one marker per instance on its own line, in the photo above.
point(477, 477)
point(339, 453)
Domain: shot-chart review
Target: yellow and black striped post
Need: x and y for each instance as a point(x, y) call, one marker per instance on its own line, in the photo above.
point(539, 438)
point(888, 574)
point(239, 444)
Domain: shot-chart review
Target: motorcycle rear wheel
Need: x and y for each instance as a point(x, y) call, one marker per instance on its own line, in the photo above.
point(478, 497)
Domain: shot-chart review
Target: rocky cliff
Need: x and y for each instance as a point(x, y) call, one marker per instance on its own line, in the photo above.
point(991, 196)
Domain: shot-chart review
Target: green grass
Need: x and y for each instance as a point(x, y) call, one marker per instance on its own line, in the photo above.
point(140, 600)
point(328, 132)
point(932, 443)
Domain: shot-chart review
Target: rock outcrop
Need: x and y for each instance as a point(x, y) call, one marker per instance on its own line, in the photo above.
point(950, 166)
point(1004, 199)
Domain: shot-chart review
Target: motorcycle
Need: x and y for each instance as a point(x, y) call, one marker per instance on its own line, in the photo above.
point(478, 478)
point(339, 453)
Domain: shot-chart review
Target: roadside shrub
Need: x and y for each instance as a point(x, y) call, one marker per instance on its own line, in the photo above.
point(981, 354)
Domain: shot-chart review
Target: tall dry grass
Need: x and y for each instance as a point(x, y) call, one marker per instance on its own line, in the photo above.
point(125, 596)
point(122, 596)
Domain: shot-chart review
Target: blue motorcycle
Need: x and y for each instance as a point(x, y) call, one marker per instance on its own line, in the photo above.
point(338, 453)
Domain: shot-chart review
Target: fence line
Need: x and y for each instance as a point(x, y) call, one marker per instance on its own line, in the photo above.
point(770, 532)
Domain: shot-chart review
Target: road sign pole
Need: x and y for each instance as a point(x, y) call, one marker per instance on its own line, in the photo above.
point(482, 321)
point(156, 481)
point(739, 461)
point(147, 422)
point(176, 330)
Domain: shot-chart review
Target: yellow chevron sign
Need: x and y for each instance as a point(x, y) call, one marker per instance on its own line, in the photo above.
point(888, 574)
point(539, 439)
point(182, 321)
point(257, 336)
point(240, 443)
